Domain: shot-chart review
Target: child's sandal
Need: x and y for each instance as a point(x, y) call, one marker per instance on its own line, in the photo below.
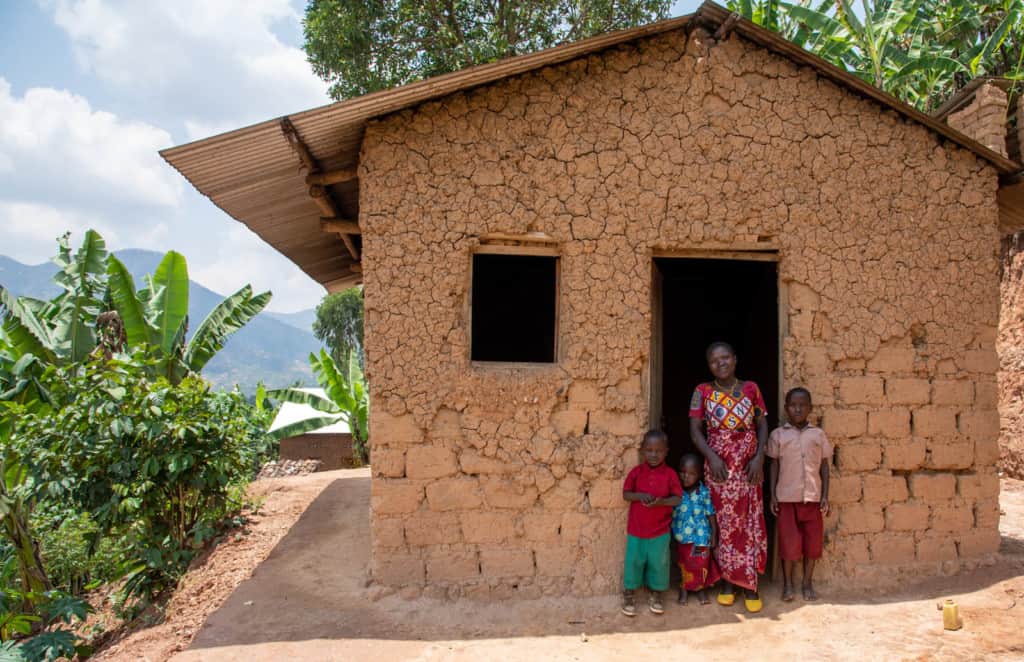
point(655, 605)
point(629, 605)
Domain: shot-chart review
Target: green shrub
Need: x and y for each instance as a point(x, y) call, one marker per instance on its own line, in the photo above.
point(149, 460)
point(259, 447)
point(72, 548)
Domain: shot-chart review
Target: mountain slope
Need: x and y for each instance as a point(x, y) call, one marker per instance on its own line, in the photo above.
point(267, 349)
point(302, 320)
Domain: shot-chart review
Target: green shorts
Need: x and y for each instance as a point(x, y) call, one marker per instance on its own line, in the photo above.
point(647, 563)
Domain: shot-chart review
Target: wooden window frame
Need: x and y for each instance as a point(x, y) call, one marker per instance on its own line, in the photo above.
point(528, 250)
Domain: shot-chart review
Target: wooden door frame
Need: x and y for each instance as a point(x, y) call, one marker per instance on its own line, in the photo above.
point(656, 354)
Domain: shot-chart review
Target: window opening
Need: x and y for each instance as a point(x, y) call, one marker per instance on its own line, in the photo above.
point(514, 308)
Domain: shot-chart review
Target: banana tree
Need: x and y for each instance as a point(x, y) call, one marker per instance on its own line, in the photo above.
point(36, 334)
point(155, 318)
point(346, 401)
point(62, 330)
point(918, 50)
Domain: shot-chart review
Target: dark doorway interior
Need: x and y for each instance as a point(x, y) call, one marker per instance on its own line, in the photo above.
point(699, 301)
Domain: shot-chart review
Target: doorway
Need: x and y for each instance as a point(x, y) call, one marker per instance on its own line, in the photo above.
point(690, 314)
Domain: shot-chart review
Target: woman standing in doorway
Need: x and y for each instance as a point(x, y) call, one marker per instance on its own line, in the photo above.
point(733, 447)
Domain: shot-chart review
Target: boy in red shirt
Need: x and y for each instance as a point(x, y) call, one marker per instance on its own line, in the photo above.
point(652, 490)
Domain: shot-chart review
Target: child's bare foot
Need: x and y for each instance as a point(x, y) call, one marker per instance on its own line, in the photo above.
point(787, 592)
point(682, 597)
point(702, 595)
point(809, 593)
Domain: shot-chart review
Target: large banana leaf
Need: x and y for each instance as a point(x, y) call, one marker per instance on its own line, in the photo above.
point(228, 316)
point(302, 427)
point(129, 305)
point(168, 305)
point(998, 36)
point(83, 279)
point(23, 330)
point(332, 381)
point(931, 65)
point(301, 397)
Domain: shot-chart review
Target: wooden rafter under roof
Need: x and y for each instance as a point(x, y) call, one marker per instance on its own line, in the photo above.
point(259, 177)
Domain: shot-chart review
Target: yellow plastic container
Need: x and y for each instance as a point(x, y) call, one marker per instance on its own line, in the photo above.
point(951, 615)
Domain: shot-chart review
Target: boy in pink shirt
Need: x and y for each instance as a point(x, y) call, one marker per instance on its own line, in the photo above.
point(799, 490)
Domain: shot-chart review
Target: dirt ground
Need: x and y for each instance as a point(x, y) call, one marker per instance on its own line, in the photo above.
point(306, 600)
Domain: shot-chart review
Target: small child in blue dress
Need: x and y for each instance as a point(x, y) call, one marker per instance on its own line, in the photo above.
point(696, 530)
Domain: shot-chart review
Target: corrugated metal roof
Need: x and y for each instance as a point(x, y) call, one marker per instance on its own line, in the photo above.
point(254, 175)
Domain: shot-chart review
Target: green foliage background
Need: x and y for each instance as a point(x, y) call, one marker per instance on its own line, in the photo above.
point(117, 460)
point(921, 51)
point(339, 325)
point(361, 47)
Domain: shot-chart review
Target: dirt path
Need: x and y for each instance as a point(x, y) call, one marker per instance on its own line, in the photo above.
point(212, 579)
point(307, 601)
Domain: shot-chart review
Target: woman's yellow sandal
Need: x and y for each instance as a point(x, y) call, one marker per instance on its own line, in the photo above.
point(726, 599)
point(753, 605)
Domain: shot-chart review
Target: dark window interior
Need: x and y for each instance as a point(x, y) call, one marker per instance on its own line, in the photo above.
point(514, 308)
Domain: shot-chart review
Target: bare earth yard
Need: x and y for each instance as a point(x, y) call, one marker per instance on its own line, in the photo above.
point(293, 588)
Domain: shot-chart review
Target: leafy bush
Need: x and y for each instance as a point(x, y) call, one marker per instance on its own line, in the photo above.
point(73, 551)
point(259, 447)
point(52, 609)
point(149, 460)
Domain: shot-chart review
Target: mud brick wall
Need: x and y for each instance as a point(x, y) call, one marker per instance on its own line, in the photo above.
point(984, 119)
point(490, 481)
point(333, 450)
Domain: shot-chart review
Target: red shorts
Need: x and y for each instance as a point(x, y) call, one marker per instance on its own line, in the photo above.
point(801, 531)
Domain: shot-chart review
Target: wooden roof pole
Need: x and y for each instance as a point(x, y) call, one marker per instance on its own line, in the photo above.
point(324, 201)
point(341, 226)
point(332, 177)
point(726, 27)
point(321, 196)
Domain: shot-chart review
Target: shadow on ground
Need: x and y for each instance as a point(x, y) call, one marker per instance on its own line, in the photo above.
point(312, 587)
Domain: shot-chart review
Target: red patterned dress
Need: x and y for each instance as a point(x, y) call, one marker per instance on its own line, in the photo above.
point(742, 541)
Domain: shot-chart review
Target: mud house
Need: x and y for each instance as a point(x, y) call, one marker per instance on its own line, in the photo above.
point(548, 243)
point(331, 444)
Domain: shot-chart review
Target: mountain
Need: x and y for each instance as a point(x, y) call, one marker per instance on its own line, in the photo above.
point(273, 347)
point(302, 320)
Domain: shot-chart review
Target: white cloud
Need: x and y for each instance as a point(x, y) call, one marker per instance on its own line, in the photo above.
point(189, 69)
point(31, 229)
point(197, 130)
point(55, 141)
point(243, 258)
point(218, 63)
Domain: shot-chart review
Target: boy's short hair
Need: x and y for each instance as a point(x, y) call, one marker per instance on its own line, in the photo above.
point(654, 435)
point(719, 344)
point(799, 389)
point(690, 457)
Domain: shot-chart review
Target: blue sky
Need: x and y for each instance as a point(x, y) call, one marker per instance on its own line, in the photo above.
point(91, 89)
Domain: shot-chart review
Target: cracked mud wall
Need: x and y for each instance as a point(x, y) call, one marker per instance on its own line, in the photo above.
point(498, 481)
point(1011, 357)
